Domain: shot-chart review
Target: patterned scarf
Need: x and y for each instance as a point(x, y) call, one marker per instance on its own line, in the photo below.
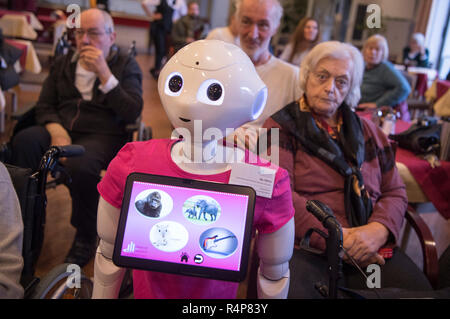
point(345, 154)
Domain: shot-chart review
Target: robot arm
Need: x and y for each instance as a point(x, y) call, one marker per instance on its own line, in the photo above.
point(107, 276)
point(274, 251)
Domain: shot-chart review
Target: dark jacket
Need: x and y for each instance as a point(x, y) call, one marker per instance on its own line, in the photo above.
point(61, 102)
point(188, 27)
point(166, 22)
point(417, 60)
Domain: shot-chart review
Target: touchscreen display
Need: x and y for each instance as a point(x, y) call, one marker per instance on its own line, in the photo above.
point(183, 225)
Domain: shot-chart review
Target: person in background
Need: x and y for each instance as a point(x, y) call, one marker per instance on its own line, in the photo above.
point(305, 37)
point(416, 54)
point(160, 27)
point(258, 21)
point(189, 28)
point(11, 238)
point(382, 84)
point(229, 34)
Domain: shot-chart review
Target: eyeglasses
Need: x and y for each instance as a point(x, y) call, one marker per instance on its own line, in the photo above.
point(262, 25)
point(92, 34)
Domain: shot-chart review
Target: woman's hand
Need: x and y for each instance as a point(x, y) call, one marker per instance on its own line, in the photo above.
point(362, 243)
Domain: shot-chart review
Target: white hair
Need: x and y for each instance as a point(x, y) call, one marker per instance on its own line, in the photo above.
point(277, 10)
point(107, 19)
point(419, 37)
point(380, 41)
point(336, 50)
point(109, 23)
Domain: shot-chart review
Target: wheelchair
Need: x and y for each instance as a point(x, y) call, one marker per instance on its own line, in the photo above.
point(30, 188)
point(334, 253)
point(65, 280)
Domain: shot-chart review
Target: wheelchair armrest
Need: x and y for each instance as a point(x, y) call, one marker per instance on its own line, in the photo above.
point(428, 244)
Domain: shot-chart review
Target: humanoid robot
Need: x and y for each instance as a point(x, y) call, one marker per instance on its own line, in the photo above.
point(214, 82)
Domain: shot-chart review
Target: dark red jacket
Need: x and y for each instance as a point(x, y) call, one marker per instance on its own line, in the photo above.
point(311, 178)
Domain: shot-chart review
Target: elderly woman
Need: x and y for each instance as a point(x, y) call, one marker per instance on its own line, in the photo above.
point(305, 37)
point(382, 84)
point(361, 185)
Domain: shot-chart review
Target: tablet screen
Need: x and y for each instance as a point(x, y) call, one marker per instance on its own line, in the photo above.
point(185, 226)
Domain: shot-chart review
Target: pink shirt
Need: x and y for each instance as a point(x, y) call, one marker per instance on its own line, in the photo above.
point(153, 157)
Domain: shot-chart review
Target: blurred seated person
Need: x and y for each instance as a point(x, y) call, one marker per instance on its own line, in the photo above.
point(189, 28)
point(305, 37)
point(416, 54)
point(382, 84)
point(11, 238)
point(366, 192)
point(229, 34)
point(88, 98)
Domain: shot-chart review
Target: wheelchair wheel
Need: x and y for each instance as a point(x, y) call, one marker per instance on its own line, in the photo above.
point(65, 281)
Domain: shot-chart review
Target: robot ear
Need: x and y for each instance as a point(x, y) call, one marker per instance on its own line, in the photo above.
point(260, 102)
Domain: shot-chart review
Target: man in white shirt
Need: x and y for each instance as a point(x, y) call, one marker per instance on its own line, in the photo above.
point(88, 98)
point(258, 21)
point(229, 34)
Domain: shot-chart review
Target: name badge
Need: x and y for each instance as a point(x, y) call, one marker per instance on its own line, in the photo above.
point(261, 179)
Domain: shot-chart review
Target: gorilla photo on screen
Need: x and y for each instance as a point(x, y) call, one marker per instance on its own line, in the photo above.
point(151, 205)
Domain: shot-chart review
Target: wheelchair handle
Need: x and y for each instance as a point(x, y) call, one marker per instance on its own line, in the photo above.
point(322, 212)
point(69, 150)
point(50, 160)
point(334, 242)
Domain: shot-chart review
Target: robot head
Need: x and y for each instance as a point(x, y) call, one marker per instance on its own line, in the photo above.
point(211, 81)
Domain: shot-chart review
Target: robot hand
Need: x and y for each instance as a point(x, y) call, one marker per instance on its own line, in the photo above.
point(275, 250)
point(107, 276)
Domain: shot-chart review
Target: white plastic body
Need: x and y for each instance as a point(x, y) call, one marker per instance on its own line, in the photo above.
point(243, 99)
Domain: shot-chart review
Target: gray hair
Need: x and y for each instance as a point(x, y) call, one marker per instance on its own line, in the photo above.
point(336, 50)
point(107, 19)
point(109, 23)
point(277, 10)
point(419, 37)
point(381, 41)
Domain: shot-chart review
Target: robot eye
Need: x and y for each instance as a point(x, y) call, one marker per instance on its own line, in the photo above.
point(211, 92)
point(214, 91)
point(174, 84)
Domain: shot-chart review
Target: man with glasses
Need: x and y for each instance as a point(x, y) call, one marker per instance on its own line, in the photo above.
point(89, 97)
point(258, 21)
